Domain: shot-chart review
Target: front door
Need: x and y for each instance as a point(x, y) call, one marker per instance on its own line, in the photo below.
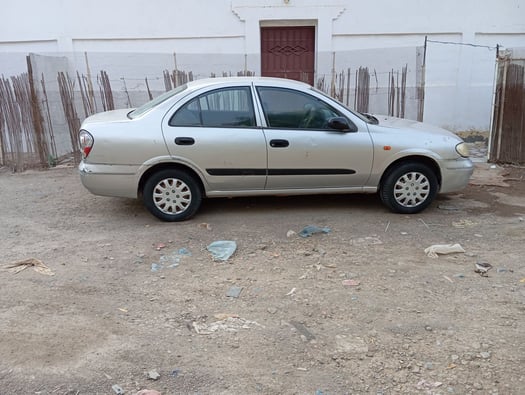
point(288, 52)
point(303, 152)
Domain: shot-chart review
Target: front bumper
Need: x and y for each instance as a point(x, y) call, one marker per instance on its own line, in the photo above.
point(455, 174)
point(109, 180)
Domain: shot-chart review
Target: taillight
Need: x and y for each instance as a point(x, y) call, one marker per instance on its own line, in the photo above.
point(85, 141)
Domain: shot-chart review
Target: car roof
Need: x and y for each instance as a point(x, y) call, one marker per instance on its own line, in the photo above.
point(249, 80)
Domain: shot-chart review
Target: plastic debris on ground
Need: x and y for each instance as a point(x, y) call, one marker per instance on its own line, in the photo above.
point(463, 223)
point(155, 267)
point(117, 389)
point(148, 392)
point(153, 375)
point(483, 268)
point(436, 249)
point(159, 246)
point(234, 292)
point(302, 330)
point(170, 260)
point(312, 229)
point(230, 324)
point(184, 251)
point(351, 283)
point(139, 259)
point(222, 250)
point(37, 265)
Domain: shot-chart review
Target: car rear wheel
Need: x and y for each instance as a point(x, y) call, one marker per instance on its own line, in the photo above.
point(409, 188)
point(172, 195)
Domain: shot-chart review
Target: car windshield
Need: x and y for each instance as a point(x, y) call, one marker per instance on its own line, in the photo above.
point(155, 102)
point(365, 117)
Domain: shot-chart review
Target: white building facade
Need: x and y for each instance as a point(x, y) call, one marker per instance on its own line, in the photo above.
point(134, 40)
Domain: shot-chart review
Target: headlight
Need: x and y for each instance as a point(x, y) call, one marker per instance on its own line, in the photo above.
point(85, 142)
point(462, 149)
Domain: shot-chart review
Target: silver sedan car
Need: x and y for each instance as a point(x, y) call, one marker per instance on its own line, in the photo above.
point(263, 136)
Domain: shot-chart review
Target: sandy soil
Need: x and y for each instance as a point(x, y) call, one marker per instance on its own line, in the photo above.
point(358, 310)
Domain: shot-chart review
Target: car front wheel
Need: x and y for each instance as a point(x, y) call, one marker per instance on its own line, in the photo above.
point(172, 195)
point(409, 188)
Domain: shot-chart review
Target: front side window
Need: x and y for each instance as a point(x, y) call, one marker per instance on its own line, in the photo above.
point(229, 107)
point(289, 109)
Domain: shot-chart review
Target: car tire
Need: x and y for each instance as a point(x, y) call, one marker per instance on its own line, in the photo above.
point(172, 195)
point(409, 188)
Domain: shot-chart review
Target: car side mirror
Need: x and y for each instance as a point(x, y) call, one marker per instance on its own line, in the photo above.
point(342, 124)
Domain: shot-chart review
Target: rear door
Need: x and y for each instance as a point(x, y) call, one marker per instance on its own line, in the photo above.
point(216, 132)
point(303, 152)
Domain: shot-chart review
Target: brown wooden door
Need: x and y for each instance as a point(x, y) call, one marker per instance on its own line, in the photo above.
point(508, 125)
point(288, 52)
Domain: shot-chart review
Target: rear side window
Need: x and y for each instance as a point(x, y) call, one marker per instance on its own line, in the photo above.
point(229, 107)
point(155, 102)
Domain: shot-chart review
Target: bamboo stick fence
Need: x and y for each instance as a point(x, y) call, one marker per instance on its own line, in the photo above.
point(30, 141)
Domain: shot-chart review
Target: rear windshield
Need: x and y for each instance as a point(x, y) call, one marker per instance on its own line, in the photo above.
point(155, 102)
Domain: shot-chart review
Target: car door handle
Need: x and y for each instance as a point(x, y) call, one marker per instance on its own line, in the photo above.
point(184, 141)
point(277, 143)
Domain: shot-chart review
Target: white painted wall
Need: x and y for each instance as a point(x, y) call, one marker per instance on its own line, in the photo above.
point(134, 39)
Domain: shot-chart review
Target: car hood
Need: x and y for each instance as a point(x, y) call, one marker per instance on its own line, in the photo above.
point(109, 116)
point(407, 124)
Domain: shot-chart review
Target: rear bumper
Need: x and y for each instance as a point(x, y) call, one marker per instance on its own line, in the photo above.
point(109, 180)
point(455, 174)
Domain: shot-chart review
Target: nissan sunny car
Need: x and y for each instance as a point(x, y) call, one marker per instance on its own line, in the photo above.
point(247, 136)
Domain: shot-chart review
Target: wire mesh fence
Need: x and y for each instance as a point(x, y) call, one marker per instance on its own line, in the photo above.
point(41, 110)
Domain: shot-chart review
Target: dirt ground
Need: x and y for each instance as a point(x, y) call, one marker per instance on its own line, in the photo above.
point(134, 303)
